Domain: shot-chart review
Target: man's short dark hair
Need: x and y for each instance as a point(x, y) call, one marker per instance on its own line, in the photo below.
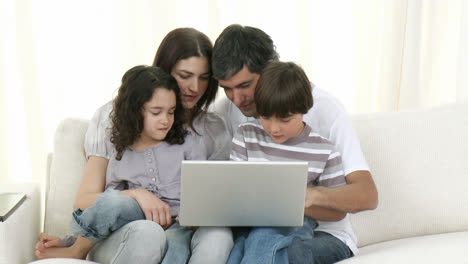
point(283, 89)
point(240, 45)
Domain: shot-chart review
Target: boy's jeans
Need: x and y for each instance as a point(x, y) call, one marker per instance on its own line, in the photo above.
point(269, 244)
point(323, 248)
point(112, 210)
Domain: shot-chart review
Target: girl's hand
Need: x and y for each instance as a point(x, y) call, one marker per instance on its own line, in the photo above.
point(194, 228)
point(153, 208)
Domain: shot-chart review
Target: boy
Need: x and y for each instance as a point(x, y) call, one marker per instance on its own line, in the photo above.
point(282, 96)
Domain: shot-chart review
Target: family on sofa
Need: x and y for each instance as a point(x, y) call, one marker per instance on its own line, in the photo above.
point(168, 110)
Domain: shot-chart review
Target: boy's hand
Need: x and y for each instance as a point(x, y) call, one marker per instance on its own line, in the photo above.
point(49, 241)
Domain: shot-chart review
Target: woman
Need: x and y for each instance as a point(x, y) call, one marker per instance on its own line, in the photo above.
point(186, 54)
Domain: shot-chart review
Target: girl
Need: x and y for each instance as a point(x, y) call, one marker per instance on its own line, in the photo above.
point(148, 134)
point(185, 53)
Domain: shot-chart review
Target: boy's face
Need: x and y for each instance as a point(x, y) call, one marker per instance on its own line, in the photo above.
point(240, 89)
point(282, 129)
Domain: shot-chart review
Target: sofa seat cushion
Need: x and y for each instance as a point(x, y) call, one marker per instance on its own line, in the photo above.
point(440, 248)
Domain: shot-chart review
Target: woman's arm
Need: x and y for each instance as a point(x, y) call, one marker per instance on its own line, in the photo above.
point(97, 148)
point(92, 183)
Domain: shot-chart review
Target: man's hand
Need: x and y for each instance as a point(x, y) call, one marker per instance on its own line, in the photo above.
point(359, 194)
point(310, 197)
point(317, 212)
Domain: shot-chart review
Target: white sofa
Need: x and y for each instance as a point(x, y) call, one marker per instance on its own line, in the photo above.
point(419, 161)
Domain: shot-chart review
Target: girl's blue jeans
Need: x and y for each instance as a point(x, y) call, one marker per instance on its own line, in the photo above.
point(116, 219)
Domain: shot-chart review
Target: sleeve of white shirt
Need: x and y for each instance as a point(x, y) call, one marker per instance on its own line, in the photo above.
point(97, 139)
point(329, 119)
point(342, 132)
point(220, 106)
point(224, 107)
point(217, 136)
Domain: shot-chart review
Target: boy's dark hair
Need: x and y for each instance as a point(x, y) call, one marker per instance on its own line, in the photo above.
point(240, 45)
point(283, 89)
point(183, 43)
point(138, 86)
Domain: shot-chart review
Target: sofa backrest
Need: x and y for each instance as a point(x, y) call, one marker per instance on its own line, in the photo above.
point(64, 175)
point(419, 161)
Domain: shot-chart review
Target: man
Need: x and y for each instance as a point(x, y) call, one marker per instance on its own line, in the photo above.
point(239, 56)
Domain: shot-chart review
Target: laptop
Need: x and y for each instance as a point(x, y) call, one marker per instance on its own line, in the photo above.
point(232, 193)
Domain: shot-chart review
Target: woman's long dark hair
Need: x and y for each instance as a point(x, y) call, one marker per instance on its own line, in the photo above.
point(138, 86)
point(183, 43)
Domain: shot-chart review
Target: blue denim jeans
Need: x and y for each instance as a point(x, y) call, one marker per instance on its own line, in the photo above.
point(114, 216)
point(140, 241)
point(323, 248)
point(268, 244)
point(205, 245)
point(111, 211)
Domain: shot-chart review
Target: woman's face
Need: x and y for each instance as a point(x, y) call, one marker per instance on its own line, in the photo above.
point(193, 75)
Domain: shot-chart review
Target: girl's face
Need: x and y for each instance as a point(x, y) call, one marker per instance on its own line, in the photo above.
point(282, 129)
point(158, 115)
point(193, 75)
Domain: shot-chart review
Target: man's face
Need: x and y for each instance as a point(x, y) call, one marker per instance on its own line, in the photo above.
point(240, 89)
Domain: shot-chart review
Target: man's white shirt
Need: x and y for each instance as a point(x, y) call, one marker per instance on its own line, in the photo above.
point(327, 117)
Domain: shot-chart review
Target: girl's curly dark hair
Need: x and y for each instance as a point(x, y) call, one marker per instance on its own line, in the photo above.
point(138, 86)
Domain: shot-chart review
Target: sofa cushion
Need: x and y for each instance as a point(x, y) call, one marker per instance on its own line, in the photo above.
point(66, 170)
point(419, 161)
point(62, 261)
point(441, 248)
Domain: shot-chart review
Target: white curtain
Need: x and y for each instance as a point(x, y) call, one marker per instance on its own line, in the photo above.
point(64, 58)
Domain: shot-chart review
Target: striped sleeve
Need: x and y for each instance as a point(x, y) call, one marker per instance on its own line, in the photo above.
point(333, 173)
point(238, 148)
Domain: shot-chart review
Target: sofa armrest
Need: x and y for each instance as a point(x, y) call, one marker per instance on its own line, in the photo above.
point(19, 232)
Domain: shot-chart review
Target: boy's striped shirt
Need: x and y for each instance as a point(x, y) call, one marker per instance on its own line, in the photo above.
point(252, 143)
